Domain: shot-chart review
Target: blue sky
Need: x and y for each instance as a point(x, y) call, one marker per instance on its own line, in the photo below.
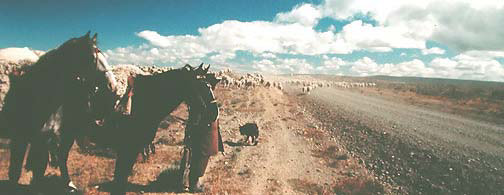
point(45, 24)
point(428, 38)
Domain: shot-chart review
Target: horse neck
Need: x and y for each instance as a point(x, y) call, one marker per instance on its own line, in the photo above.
point(164, 103)
point(48, 70)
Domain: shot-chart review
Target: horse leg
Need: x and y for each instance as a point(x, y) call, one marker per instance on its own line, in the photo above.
point(17, 154)
point(248, 139)
point(67, 141)
point(39, 159)
point(152, 148)
point(124, 164)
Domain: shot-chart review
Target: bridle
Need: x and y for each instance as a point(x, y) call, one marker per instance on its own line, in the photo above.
point(97, 51)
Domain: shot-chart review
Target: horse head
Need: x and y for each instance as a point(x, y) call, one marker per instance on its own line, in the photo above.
point(212, 79)
point(201, 71)
point(203, 85)
point(90, 72)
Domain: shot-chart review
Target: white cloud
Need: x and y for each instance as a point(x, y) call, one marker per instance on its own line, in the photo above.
point(366, 67)
point(412, 68)
point(462, 24)
point(305, 14)
point(433, 50)
point(459, 67)
point(443, 64)
point(400, 25)
point(469, 67)
point(185, 46)
point(267, 55)
point(286, 65)
point(261, 36)
point(362, 35)
point(485, 54)
point(222, 58)
point(473, 28)
point(464, 27)
point(16, 54)
point(148, 55)
point(330, 65)
point(230, 36)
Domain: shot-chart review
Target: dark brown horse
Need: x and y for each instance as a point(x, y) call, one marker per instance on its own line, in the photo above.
point(154, 97)
point(73, 69)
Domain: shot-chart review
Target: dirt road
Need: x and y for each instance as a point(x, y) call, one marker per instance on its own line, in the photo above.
point(287, 160)
point(423, 150)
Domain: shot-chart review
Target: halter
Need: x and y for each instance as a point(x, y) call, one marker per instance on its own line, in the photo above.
point(212, 94)
point(97, 51)
point(108, 71)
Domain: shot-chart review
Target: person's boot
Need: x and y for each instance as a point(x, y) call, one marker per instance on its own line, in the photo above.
point(194, 185)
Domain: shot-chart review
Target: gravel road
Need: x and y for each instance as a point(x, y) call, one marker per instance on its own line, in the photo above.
point(420, 150)
point(455, 131)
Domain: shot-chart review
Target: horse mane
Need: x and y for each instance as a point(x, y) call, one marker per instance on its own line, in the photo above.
point(46, 58)
point(168, 83)
point(50, 60)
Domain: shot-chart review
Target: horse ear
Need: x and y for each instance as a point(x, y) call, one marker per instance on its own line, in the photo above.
point(95, 37)
point(200, 68)
point(206, 69)
point(87, 34)
point(188, 67)
point(200, 71)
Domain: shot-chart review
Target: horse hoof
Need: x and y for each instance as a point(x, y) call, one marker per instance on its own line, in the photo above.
point(71, 188)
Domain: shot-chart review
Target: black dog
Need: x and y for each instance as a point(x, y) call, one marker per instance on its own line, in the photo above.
point(250, 130)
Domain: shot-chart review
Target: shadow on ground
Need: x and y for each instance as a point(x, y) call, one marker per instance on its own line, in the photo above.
point(51, 185)
point(234, 144)
point(167, 181)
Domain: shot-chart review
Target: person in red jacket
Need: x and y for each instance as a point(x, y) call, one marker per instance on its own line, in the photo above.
point(202, 139)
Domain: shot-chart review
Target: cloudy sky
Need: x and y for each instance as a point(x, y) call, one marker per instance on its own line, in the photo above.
point(428, 38)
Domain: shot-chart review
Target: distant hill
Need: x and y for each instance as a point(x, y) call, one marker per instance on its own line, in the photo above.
point(433, 80)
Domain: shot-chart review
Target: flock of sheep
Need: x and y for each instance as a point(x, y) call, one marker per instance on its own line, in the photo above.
point(308, 86)
point(229, 79)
